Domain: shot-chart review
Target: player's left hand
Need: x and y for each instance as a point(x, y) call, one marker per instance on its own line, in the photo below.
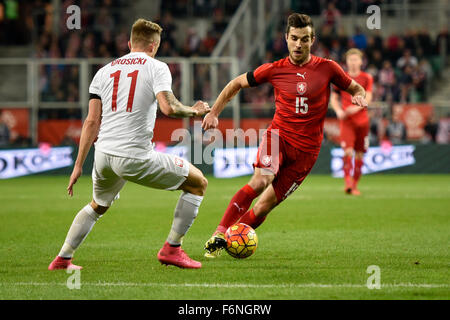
point(360, 101)
point(76, 173)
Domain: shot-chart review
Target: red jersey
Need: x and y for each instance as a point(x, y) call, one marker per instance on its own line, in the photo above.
point(301, 97)
point(366, 81)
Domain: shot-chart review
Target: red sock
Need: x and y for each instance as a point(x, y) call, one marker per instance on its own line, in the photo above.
point(239, 204)
point(347, 170)
point(357, 171)
point(252, 220)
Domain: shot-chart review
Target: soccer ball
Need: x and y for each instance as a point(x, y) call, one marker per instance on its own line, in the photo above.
point(241, 241)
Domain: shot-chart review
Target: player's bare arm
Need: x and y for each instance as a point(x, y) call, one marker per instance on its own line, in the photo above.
point(171, 107)
point(211, 121)
point(358, 94)
point(89, 132)
point(336, 105)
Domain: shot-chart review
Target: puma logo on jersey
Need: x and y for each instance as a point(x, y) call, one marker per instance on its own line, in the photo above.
point(302, 75)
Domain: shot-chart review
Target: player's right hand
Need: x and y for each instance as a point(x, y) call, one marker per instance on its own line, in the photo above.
point(201, 108)
point(210, 121)
point(76, 173)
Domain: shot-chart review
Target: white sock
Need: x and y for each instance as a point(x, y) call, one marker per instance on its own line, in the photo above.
point(81, 226)
point(185, 213)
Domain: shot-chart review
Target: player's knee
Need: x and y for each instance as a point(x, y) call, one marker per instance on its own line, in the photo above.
point(98, 208)
point(348, 152)
point(359, 155)
point(260, 183)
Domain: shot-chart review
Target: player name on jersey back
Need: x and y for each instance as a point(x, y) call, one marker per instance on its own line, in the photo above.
point(129, 61)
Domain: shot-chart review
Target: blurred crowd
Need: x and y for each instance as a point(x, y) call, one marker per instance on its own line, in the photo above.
point(103, 35)
point(403, 65)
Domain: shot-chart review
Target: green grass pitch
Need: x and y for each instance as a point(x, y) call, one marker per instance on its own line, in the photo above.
point(315, 245)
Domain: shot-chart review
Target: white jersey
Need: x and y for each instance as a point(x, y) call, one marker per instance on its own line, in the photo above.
point(128, 87)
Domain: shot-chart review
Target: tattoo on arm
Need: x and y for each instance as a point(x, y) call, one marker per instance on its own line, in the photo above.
point(172, 100)
point(180, 110)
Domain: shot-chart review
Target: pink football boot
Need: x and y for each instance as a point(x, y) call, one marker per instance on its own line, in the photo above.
point(177, 257)
point(60, 263)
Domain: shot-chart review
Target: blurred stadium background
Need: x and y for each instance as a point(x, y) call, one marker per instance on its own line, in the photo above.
point(46, 68)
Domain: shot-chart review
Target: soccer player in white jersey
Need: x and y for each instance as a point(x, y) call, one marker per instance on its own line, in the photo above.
point(122, 112)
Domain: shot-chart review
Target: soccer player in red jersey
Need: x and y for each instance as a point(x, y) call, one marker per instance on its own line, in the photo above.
point(301, 83)
point(354, 121)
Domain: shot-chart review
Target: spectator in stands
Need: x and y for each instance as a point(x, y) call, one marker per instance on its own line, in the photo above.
point(387, 80)
point(443, 41)
point(73, 45)
point(411, 41)
point(169, 27)
point(192, 40)
point(336, 51)
point(218, 22)
point(406, 83)
point(4, 132)
point(121, 44)
point(278, 46)
point(425, 42)
point(359, 39)
point(54, 92)
point(407, 59)
point(393, 48)
point(89, 46)
point(166, 50)
point(396, 130)
point(209, 42)
point(431, 129)
point(104, 20)
point(331, 17)
point(375, 122)
point(419, 76)
point(202, 7)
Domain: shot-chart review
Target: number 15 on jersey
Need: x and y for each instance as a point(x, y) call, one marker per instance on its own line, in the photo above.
point(301, 105)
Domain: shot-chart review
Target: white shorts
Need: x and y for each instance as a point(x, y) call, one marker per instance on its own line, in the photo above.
point(110, 173)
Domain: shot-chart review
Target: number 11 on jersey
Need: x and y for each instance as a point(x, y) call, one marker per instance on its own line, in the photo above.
point(301, 105)
point(116, 75)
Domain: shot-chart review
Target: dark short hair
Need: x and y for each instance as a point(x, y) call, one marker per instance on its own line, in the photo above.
point(299, 20)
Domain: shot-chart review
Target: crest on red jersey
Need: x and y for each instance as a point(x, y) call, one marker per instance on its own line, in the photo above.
point(301, 87)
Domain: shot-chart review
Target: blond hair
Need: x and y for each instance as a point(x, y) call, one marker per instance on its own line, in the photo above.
point(143, 32)
point(354, 51)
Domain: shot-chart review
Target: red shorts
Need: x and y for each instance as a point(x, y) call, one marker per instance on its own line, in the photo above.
point(355, 135)
point(289, 164)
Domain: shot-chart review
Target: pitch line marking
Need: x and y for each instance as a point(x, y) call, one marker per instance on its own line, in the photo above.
point(228, 285)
